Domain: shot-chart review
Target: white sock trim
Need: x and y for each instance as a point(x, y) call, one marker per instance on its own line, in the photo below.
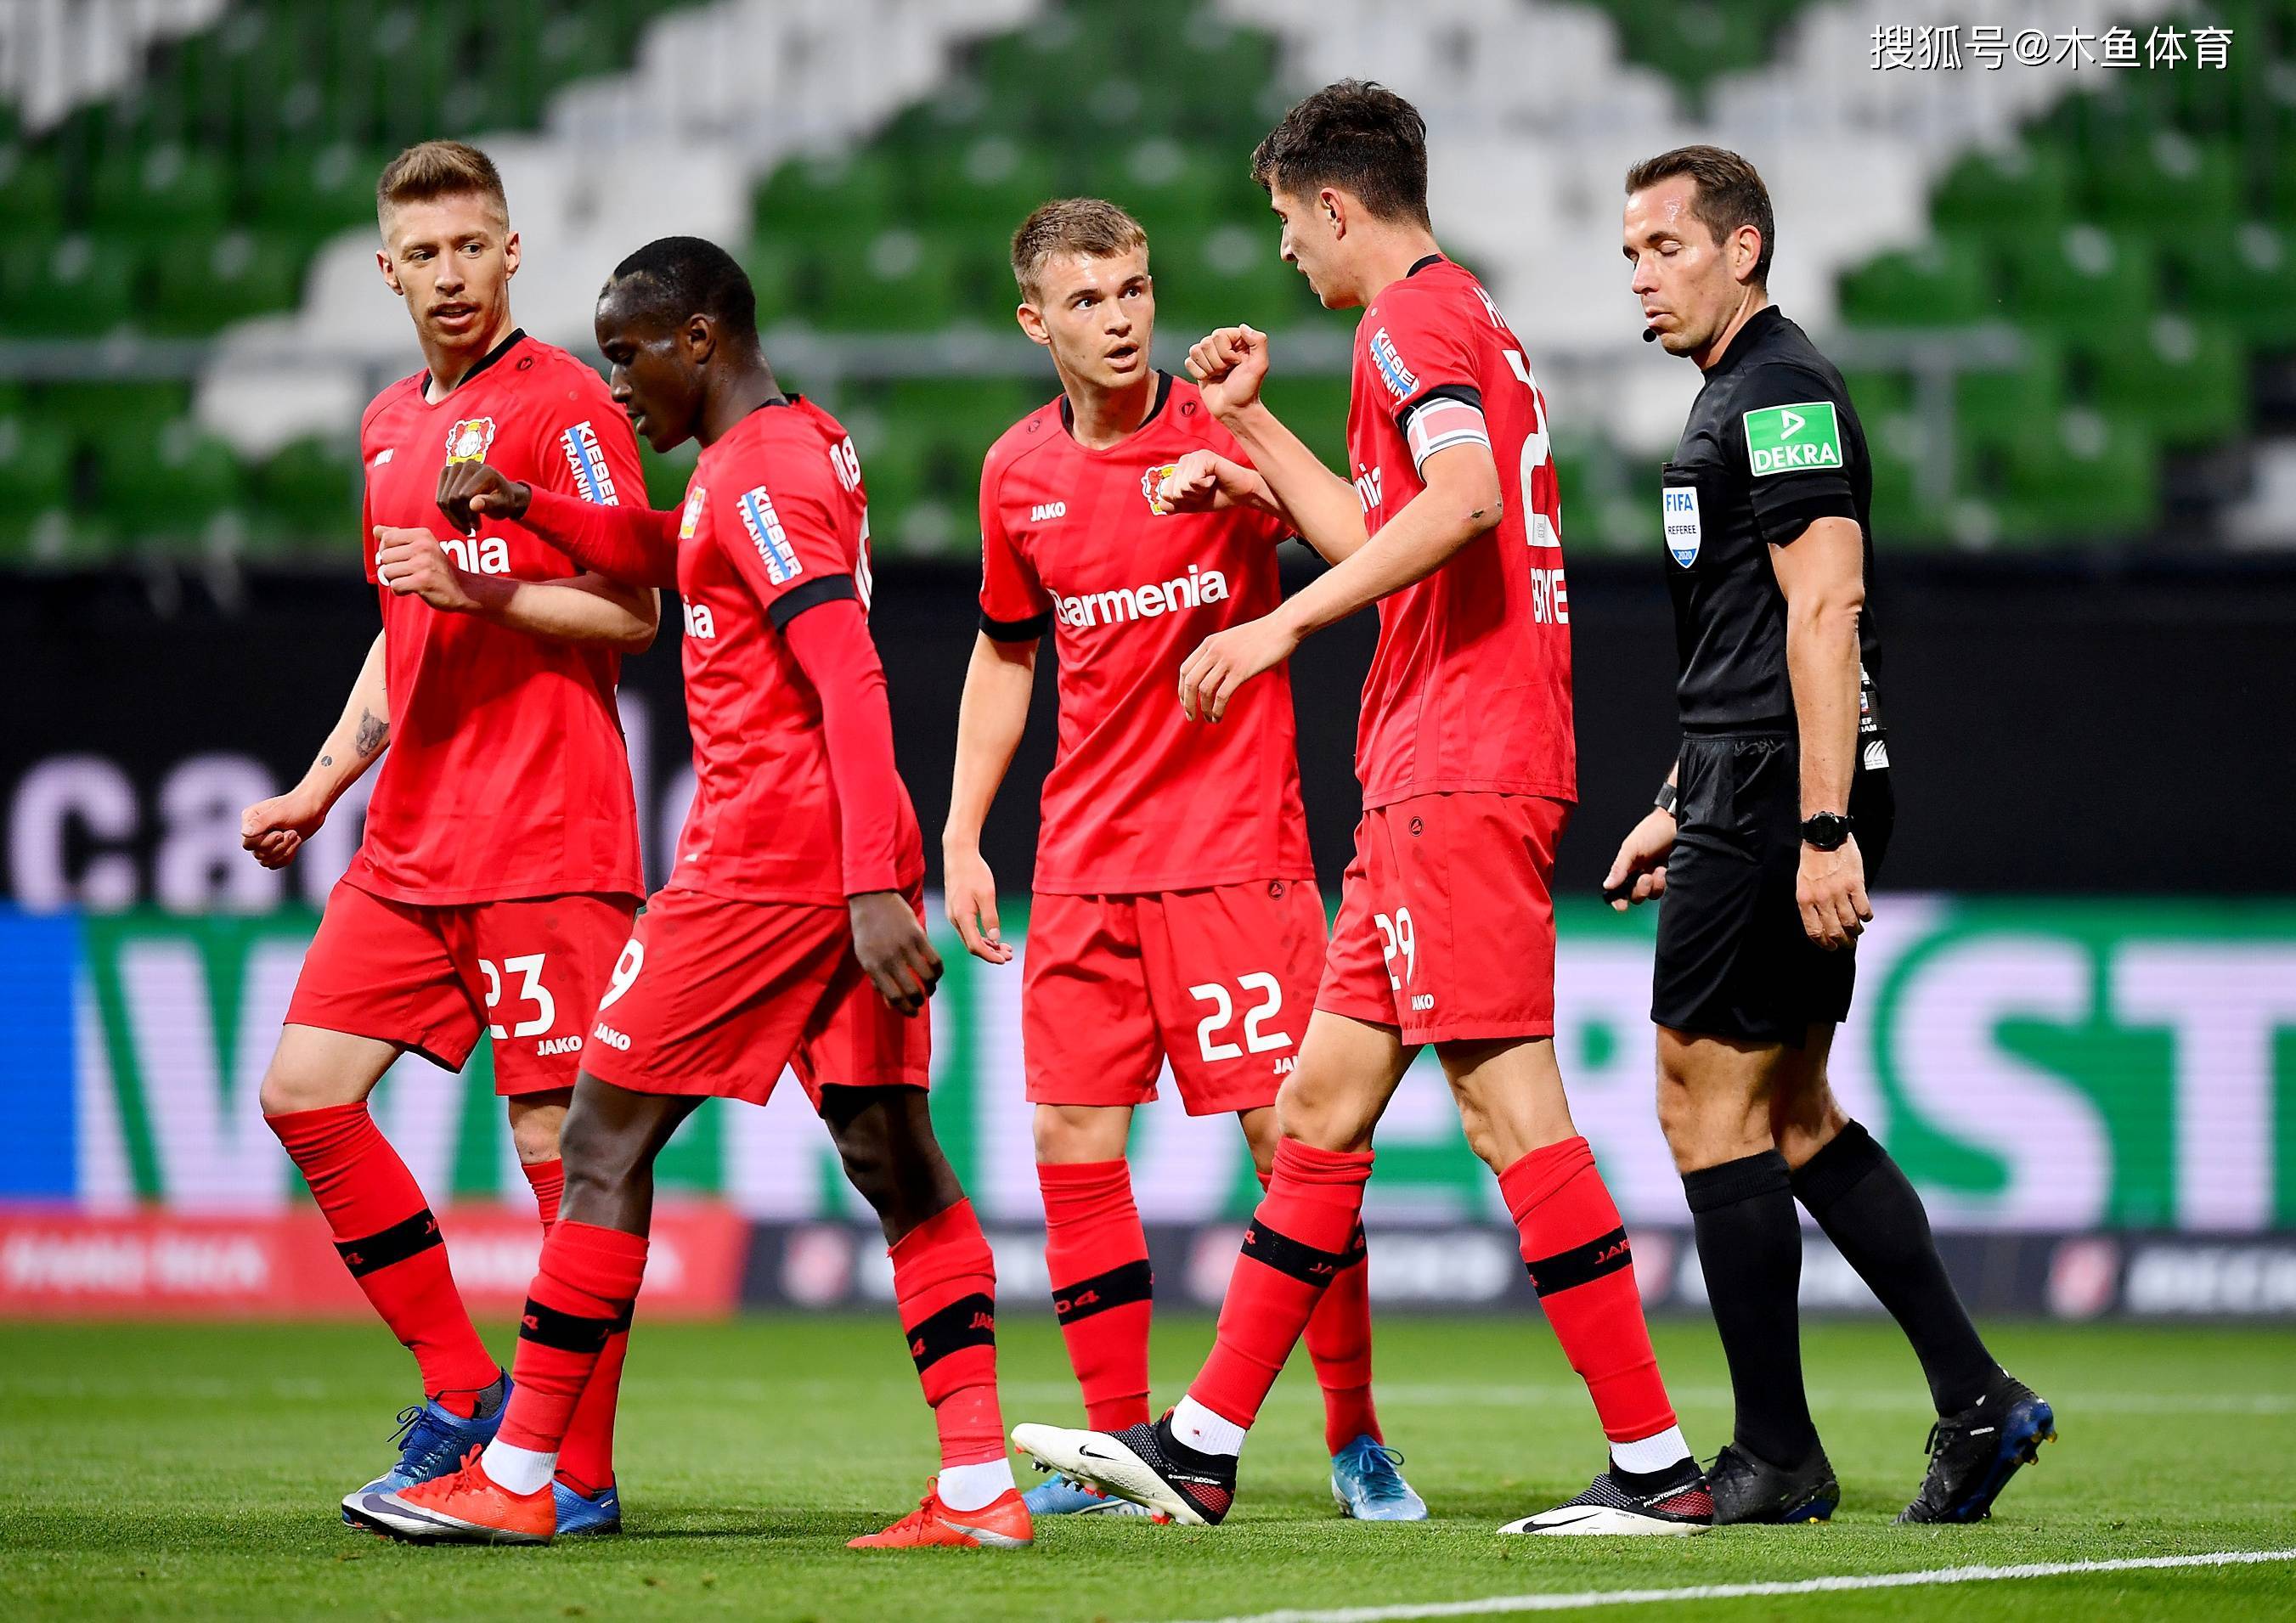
point(1205, 1432)
point(972, 1488)
point(522, 1470)
point(1650, 1454)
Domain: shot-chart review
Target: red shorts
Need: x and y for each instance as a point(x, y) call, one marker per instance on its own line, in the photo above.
point(1219, 981)
point(718, 997)
point(527, 972)
point(1446, 919)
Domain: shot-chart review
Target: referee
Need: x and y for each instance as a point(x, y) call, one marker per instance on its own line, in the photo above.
point(1762, 841)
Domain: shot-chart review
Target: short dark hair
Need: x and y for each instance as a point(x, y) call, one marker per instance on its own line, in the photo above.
point(1086, 225)
point(671, 278)
point(432, 169)
point(1357, 136)
point(1730, 193)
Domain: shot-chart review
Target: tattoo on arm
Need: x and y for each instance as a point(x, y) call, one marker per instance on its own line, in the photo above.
point(372, 730)
point(327, 760)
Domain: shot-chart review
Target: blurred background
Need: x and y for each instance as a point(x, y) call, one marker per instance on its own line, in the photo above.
point(2065, 294)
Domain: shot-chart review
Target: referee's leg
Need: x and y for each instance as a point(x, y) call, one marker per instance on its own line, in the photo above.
point(1868, 1209)
point(1716, 1096)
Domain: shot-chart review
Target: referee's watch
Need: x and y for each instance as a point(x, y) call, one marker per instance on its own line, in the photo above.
point(1825, 832)
point(1667, 799)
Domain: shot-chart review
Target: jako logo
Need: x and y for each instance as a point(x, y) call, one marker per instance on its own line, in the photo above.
point(481, 555)
point(611, 1038)
point(560, 1045)
point(1192, 590)
point(1044, 511)
point(591, 475)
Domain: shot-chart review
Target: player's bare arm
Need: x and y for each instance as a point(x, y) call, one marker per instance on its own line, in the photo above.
point(1229, 366)
point(275, 829)
point(1822, 574)
point(990, 718)
point(1460, 502)
point(586, 609)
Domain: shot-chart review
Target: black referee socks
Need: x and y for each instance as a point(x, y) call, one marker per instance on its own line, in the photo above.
point(1866, 1206)
point(1750, 1246)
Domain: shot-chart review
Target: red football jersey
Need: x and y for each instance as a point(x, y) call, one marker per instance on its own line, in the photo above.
point(1140, 799)
point(776, 521)
point(506, 774)
point(1469, 689)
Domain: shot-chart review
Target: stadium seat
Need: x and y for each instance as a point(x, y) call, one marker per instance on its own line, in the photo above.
point(1942, 283)
point(160, 194)
point(2005, 192)
point(200, 285)
point(309, 495)
point(35, 482)
point(1994, 406)
point(2166, 184)
point(31, 192)
point(2084, 476)
point(988, 183)
point(892, 280)
point(165, 488)
point(2083, 282)
point(77, 286)
point(2186, 382)
point(2242, 277)
point(315, 193)
point(1169, 186)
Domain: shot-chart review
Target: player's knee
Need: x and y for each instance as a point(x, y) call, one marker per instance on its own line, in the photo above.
point(598, 1159)
point(1319, 1115)
point(536, 1134)
point(1066, 1135)
point(287, 1088)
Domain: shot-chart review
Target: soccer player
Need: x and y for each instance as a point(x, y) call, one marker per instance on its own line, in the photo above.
point(1765, 837)
point(1176, 913)
point(1445, 931)
point(499, 867)
point(791, 930)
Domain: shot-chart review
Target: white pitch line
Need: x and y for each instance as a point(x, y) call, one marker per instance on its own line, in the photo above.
point(1584, 1600)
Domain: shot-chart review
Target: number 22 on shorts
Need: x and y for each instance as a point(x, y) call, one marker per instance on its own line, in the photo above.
point(1255, 1039)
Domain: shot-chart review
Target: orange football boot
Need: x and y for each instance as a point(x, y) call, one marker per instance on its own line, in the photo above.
point(1001, 1524)
point(466, 1506)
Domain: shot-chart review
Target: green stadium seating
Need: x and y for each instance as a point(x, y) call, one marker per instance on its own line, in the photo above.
point(200, 283)
point(2005, 192)
point(1994, 406)
point(988, 183)
point(2083, 282)
point(894, 280)
point(166, 486)
point(35, 482)
point(160, 194)
point(308, 493)
point(2167, 183)
point(31, 192)
point(76, 286)
point(2084, 475)
point(2242, 277)
point(2185, 381)
point(1942, 283)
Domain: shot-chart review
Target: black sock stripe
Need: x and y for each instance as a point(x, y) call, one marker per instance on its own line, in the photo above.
point(397, 1243)
point(566, 1331)
point(1130, 1282)
point(969, 1320)
point(1582, 1264)
point(1306, 1263)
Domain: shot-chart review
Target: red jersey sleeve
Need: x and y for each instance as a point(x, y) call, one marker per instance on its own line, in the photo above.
point(1014, 606)
point(782, 528)
point(636, 544)
point(1426, 360)
point(585, 445)
point(833, 648)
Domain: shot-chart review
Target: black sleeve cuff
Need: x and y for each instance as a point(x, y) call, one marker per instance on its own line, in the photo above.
point(1783, 522)
point(812, 594)
point(1017, 631)
point(1465, 393)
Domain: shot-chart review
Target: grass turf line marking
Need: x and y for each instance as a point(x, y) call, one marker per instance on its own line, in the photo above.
point(1584, 1599)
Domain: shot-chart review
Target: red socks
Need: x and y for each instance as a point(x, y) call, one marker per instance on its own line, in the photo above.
point(586, 1461)
point(946, 1282)
point(1098, 1256)
point(1576, 1249)
point(581, 1296)
point(1307, 1233)
point(1339, 1344)
point(391, 1243)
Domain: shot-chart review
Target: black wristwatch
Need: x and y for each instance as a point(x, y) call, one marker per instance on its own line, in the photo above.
point(1825, 832)
point(1667, 799)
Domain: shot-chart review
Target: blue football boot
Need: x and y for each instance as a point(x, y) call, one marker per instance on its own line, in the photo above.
point(587, 1516)
point(432, 1441)
point(1061, 1496)
point(1369, 1488)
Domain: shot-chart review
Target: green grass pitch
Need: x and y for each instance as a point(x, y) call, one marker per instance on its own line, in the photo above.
point(193, 1472)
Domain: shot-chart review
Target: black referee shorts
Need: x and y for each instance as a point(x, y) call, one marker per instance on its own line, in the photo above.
point(1733, 960)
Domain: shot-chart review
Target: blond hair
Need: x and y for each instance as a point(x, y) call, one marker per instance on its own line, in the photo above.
point(432, 169)
point(1087, 225)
